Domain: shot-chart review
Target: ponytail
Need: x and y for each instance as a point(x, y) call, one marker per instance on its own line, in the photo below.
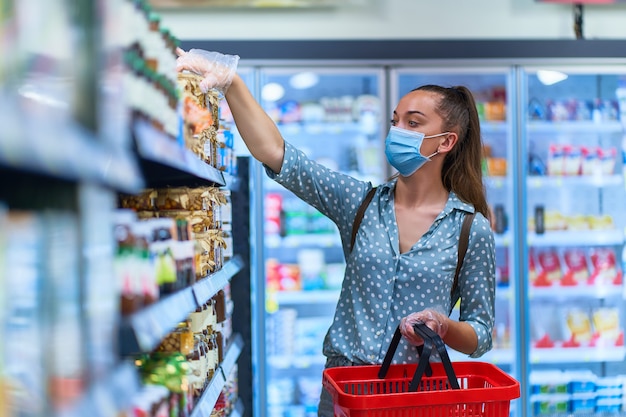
point(462, 167)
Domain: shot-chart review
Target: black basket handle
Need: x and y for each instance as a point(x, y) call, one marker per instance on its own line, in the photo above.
point(430, 339)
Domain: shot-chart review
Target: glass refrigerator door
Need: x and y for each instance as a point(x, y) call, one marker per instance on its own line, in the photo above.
point(575, 219)
point(335, 116)
point(492, 92)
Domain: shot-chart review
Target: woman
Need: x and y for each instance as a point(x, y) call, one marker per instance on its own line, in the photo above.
point(405, 254)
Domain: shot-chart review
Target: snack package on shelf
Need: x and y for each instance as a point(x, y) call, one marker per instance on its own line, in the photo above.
point(187, 359)
point(200, 117)
point(576, 267)
point(604, 267)
point(149, 55)
point(576, 326)
point(550, 271)
point(187, 236)
point(607, 327)
point(145, 200)
point(545, 331)
point(182, 198)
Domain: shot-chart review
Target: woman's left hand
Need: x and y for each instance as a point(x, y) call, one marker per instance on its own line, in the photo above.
point(434, 319)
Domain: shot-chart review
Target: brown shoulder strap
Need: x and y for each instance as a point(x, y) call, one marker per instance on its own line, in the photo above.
point(359, 215)
point(463, 243)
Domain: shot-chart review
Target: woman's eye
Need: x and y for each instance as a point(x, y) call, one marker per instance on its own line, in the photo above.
point(393, 122)
point(413, 123)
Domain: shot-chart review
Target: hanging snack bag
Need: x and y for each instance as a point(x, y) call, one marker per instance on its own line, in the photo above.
point(200, 117)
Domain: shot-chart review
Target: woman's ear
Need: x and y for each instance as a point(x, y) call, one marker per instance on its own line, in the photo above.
point(448, 142)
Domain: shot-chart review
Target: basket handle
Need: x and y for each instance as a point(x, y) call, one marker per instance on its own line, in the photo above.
point(430, 338)
point(426, 332)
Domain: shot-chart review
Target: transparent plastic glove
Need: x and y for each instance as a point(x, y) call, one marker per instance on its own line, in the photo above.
point(217, 70)
point(434, 318)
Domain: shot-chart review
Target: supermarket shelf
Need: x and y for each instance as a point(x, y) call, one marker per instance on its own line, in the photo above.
point(308, 297)
point(577, 355)
point(577, 238)
point(574, 181)
point(497, 181)
point(207, 401)
point(209, 286)
point(578, 291)
point(232, 182)
point(166, 163)
point(296, 361)
point(493, 126)
point(144, 330)
point(73, 155)
point(604, 126)
point(314, 240)
point(111, 395)
point(494, 356)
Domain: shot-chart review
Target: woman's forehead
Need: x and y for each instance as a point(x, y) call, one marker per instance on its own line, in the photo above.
point(418, 102)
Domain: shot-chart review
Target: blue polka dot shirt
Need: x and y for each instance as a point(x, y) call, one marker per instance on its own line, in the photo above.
point(381, 285)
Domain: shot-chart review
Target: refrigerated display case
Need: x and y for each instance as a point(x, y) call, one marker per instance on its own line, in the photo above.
point(573, 137)
point(335, 116)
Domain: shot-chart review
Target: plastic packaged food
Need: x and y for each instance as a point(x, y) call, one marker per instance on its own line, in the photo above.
point(144, 200)
point(126, 257)
point(182, 198)
point(180, 340)
point(543, 404)
point(576, 268)
point(161, 248)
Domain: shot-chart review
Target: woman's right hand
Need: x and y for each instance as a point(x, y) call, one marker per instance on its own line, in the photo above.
point(431, 317)
point(217, 70)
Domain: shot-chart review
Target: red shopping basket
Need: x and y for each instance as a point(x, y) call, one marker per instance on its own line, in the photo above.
point(438, 389)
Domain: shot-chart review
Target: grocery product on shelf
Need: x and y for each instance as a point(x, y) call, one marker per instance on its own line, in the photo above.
point(86, 288)
point(575, 391)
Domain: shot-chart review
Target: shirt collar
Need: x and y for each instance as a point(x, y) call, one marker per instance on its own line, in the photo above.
point(453, 203)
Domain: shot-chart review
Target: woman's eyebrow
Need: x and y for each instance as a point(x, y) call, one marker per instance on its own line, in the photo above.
point(410, 112)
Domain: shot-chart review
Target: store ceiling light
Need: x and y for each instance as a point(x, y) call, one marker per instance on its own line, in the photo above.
point(303, 80)
point(272, 92)
point(548, 77)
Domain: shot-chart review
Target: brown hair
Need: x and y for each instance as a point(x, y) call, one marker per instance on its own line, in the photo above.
point(462, 167)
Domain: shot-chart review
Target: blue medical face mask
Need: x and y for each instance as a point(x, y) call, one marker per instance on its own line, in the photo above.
point(402, 148)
